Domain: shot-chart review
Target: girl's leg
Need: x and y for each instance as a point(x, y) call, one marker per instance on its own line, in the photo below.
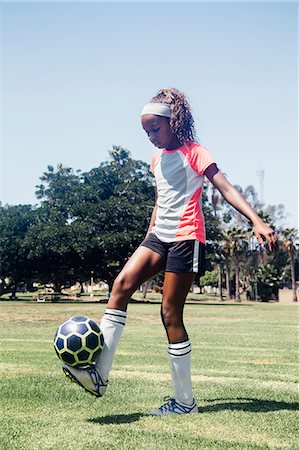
point(143, 264)
point(175, 290)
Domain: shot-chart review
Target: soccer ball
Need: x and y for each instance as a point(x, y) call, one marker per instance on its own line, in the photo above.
point(78, 341)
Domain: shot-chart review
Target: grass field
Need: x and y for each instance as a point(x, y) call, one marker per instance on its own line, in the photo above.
point(245, 361)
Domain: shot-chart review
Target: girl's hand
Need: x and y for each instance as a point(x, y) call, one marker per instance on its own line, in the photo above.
point(262, 231)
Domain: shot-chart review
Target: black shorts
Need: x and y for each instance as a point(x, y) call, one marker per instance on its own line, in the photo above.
point(180, 256)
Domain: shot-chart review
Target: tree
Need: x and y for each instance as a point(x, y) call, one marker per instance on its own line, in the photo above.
point(210, 278)
point(226, 254)
point(15, 221)
point(231, 216)
point(235, 244)
point(60, 190)
point(118, 198)
point(50, 249)
point(92, 222)
point(290, 244)
point(49, 243)
point(233, 236)
point(266, 281)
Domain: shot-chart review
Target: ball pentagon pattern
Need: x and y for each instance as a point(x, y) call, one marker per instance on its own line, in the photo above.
point(78, 341)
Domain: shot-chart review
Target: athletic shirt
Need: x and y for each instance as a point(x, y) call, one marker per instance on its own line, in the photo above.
point(179, 177)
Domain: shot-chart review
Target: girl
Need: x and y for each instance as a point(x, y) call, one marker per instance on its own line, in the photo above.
point(174, 242)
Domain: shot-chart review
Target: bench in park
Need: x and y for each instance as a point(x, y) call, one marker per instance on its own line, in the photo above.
point(49, 296)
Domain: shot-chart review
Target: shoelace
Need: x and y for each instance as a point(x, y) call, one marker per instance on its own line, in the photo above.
point(169, 405)
point(96, 378)
point(172, 405)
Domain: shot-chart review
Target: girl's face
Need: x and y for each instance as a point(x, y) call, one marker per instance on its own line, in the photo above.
point(159, 132)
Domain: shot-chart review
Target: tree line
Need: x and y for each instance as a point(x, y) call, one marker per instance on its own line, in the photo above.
point(90, 223)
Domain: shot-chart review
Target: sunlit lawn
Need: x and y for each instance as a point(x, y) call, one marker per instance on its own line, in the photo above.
point(245, 372)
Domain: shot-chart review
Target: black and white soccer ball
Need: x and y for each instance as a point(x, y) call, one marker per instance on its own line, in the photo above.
point(78, 341)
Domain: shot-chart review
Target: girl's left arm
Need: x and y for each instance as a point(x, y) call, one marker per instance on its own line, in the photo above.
point(235, 199)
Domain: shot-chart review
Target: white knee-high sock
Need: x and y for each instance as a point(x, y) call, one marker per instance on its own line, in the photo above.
point(111, 325)
point(179, 356)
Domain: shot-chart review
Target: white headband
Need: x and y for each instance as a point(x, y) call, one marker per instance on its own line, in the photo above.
point(158, 109)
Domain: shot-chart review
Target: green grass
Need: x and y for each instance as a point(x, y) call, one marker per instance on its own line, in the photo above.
point(244, 372)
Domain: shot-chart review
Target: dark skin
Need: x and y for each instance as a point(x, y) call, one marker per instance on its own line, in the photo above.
point(159, 132)
point(145, 263)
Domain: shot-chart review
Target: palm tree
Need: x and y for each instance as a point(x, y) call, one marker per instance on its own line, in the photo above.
point(235, 242)
point(226, 248)
point(290, 244)
point(266, 276)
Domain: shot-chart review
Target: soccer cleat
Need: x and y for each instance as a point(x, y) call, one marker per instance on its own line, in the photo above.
point(88, 378)
point(173, 406)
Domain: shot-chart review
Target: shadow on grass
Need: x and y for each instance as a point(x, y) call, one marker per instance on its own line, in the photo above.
point(116, 419)
point(248, 405)
point(238, 404)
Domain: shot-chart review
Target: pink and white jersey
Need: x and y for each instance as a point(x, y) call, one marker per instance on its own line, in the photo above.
point(179, 177)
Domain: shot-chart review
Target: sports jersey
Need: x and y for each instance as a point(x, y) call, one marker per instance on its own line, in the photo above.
point(179, 177)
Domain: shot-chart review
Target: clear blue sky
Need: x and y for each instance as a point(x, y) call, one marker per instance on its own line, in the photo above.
point(75, 77)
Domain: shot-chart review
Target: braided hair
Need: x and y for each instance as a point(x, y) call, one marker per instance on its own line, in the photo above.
point(181, 121)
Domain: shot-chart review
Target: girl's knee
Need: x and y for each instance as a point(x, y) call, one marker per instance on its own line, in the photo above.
point(123, 284)
point(171, 316)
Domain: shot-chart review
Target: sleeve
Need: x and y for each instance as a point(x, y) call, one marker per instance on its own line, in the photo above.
point(154, 161)
point(152, 165)
point(210, 171)
point(200, 159)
